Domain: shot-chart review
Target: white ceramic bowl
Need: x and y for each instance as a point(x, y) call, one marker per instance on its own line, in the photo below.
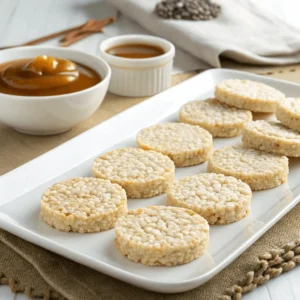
point(137, 77)
point(53, 114)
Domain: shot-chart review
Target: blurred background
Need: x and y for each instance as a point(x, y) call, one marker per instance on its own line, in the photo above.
point(22, 20)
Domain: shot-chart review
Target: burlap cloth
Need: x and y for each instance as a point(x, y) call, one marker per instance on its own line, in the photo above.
point(40, 273)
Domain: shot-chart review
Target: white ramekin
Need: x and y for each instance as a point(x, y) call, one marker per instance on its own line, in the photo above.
point(133, 77)
point(45, 115)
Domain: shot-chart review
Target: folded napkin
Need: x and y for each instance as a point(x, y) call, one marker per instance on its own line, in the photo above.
point(244, 32)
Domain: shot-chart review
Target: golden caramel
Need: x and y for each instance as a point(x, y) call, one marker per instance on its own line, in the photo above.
point(45, 76)
point(136, 51)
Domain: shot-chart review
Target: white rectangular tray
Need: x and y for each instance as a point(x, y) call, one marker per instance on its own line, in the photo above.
point(21, 189)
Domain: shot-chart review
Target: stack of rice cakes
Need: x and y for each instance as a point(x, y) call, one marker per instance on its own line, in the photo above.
point(179, 233)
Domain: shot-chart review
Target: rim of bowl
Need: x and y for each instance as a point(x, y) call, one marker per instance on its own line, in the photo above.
point(102, 82)
point(148, 39)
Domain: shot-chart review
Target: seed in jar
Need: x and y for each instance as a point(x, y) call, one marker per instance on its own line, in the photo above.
point(185, 144)
point(219, 119)
point(218, 198)
point(143, 174)
point(162, 235)
point(83, 205)
point(247, 94)
point(288, 113)
point(260, 170)
point(271, 137)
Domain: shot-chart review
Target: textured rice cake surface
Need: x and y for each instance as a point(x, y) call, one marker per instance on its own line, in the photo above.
point(83, 205)
point(271, 137)
point(218, 118)
point(141, 173)
point(247, 94)
point(185, 144)
point(218, 198)
point(260, 170)
point(288, 113)
point(162, 235)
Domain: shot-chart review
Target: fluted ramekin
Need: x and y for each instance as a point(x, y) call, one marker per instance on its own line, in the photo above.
point(138, 77)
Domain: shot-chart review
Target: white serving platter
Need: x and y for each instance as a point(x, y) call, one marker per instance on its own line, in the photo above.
point(21, 189)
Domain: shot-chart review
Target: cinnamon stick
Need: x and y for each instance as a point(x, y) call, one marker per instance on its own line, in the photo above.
point(76, 39)
point(73, 34)
point(92, 26)
point(44, 38)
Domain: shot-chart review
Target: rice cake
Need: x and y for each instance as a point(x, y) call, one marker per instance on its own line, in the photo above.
point(185, 144)
point(83, 205)
point(218, 198)
point(218, 118)
point(143, 174)
point(260, 170)
point(247, 94)
point(288, 113)
point(271, 137)
point(162, 235)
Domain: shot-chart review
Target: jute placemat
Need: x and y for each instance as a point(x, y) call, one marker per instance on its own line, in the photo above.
point(39, 273)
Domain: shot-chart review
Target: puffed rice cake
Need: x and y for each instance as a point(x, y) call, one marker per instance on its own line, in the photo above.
point(288, 113)
point(271, 137)
point(218, 198)
point(83, 205)
point(162, 235)
point(143, 174)
point(260, 170)
point(247, 94)
point(218, 118)
point(185, 144)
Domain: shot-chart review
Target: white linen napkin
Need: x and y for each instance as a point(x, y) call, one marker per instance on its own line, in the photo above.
point(244, 32)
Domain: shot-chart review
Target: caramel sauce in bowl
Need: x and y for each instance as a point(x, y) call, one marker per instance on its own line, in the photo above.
point(45, 76)
point(45, 90)
point(141, 64)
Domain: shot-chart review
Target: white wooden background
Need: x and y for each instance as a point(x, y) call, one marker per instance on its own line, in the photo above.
point(22, 20)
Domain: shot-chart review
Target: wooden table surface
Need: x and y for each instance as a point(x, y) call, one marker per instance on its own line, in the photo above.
point(21, 21)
